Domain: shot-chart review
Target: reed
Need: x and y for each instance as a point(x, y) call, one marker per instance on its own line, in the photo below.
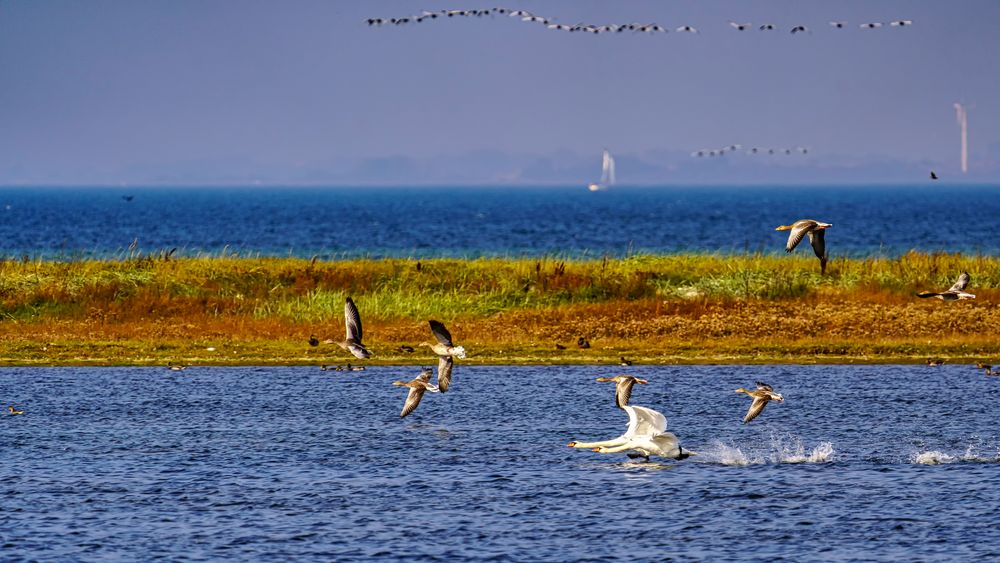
point(702, 305)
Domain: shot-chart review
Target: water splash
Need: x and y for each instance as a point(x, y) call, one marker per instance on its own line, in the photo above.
point(780, 449)
point(970, 455)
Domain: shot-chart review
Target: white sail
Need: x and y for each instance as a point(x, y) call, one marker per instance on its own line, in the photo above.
point(607, 173)
point(608, 169)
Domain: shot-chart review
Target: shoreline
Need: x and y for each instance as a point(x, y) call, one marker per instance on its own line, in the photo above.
point(654, 310)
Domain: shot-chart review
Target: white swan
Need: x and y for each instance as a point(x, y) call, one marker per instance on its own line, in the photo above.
point(646, 434)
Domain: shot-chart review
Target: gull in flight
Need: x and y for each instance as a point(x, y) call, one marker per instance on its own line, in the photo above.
point(871, 25)
point(955, 293)
point(901, 23)
point(838, 25)
point(687, 29)
point(740, 26)
point(761, 396)
point(645, 436)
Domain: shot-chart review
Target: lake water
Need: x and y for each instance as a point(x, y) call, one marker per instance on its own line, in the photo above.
point(859, 462)
point(418, 222)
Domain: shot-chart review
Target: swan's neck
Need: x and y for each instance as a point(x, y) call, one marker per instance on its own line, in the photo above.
point(604, 444)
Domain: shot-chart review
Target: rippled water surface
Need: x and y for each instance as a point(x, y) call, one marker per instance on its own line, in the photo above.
point(336, 222)
point(865, 462)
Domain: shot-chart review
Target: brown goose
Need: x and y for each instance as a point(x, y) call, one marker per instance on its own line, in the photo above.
point(446, 350)
point(760, 396)
point(623, 387)
point(815, 230)
point(954, 293)
point(352, 341)
point(418, 385)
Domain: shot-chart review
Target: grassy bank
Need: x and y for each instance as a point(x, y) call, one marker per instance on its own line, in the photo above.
point(678, 308)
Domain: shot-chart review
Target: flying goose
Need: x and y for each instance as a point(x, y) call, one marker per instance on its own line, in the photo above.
point(446, 350)
point(623, 387)
point(954, 293)
point(418, 385)
point(815, 230)
point(352, 341)
point(761, 396)
point(646, 435)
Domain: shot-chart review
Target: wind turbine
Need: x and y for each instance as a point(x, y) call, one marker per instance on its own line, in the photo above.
point(962, 116)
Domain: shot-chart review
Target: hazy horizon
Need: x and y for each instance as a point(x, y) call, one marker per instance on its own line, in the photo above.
point(305, 93)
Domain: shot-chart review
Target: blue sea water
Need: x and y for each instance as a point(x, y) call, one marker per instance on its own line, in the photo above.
point(469, 222)
point(293, 463)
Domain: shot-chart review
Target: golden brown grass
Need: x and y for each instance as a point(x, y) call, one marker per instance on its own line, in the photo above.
point(702, 308)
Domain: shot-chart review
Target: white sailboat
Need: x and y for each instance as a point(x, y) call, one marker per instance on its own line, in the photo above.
point(607, 174)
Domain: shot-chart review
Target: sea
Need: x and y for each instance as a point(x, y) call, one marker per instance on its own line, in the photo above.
point(873, 462)
point(342, 222)
point(858, 463)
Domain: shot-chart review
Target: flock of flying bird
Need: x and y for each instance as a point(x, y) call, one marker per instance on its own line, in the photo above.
point(550, 23)
point(751, 151)
point(645, 436)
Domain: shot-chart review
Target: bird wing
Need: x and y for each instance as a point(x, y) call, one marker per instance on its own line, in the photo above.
point(818, 241)
point(441, 333)
point(926, 294)
point(799, 230)
point(445, 365)
point(353, 320)
point(623, 391)
point(644, 422)
point(412, 400)
point(764, 386)
point(962, 283)
point(756, 407)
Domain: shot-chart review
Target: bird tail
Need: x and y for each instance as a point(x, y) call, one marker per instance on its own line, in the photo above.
point(459, 352)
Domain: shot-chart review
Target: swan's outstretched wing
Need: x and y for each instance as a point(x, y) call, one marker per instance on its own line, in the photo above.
point(623, 391)
point(412, 400)
point(441, 333)
point(756, 407)
point(962, 283)
point(353, 320)
point(818, 241)
point(445, 365)
point(796, 235)
point(644, 422)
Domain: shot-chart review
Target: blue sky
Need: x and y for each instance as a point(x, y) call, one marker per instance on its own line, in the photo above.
point(302, 91)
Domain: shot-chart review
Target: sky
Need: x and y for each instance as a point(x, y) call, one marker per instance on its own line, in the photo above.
point(110, 92)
